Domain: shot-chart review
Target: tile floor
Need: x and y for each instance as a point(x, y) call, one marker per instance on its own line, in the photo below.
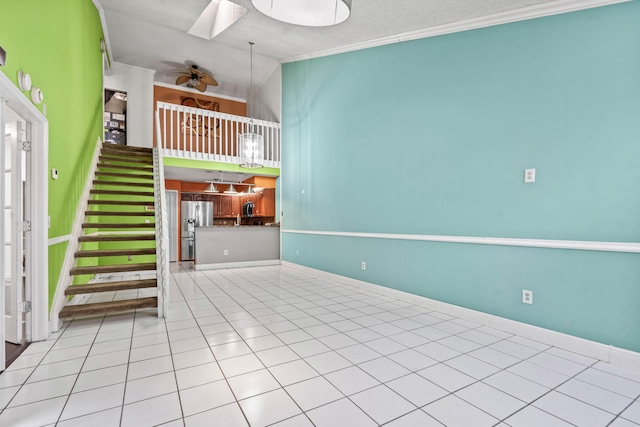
point(281, 346)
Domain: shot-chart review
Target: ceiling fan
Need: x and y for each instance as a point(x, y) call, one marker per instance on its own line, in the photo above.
point(196, 78)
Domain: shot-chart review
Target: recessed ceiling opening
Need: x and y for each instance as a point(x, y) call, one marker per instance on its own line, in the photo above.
point(217, 17)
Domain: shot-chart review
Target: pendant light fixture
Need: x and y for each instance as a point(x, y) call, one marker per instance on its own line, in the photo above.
point(231, 190)
point(310, 13)
point(251, 143)
point(212, 188)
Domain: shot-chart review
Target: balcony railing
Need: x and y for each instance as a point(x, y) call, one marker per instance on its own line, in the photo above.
point(193, 133)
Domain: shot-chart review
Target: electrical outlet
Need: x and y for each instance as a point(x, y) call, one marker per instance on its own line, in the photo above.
point(130, 257)
point(226, 252)
point(527, 297)
point(529, 175)
point(364, 265)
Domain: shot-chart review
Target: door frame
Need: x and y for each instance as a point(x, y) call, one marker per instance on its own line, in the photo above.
point(36, 241)
point(178, 244)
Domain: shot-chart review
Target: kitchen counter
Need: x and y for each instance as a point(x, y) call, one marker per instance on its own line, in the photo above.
point(236, 246)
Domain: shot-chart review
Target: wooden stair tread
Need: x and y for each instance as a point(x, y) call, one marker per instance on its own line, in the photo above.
point(125, 167)
point(114, 252)
point(125, 160)
point(120, 202)
point(90, 288)
point(115, 225)
point(127, 148)
point(117, 238)
point(119, 213)
point(124, 193)
point(125, 175)
point(107, 307)
point(111, 152)
point(123, 183)
point(116, 268)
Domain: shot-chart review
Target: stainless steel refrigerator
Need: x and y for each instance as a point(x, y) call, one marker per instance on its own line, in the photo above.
point(194, 214)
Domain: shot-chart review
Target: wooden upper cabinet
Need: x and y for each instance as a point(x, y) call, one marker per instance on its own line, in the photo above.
point(268, 202)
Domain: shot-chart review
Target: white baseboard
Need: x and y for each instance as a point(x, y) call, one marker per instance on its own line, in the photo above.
point(222, 265)
point(606, 353)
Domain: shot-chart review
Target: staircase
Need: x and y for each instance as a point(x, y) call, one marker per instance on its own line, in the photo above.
point(118, 229)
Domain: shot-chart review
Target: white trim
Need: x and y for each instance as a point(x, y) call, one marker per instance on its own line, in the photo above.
point(59, 239)
point(582, 245)
point(105, 32)
point(65, 280)
point(38, 202)
point(222, 265)
point(607, 353)
point(522, 14)
point(194, 91)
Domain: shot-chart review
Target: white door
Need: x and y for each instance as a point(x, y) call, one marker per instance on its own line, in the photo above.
point(172, 219)
point(15, 160)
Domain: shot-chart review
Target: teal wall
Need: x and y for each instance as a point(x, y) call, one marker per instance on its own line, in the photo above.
point(432, 137)
point(58, 44)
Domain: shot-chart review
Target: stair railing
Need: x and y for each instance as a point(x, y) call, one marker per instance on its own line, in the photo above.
point(162, 230)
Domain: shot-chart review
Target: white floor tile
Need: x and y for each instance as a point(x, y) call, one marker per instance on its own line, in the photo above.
point(55, 370)
point(416, 389)
point(446, 377)
point(494, 357)
point(471, 366)
point(575, 357)
point(632, 413)
point(198, 375)
point(572, 410)
point(352, 380)
point(384, 369)
point(149, 352)
point(240, 365)
point(490, 400)
point(150, 367)
point(558, 364)
point(328, 362)
point(277, 356)
point(264, 342)
point(534, 417)
point(105, 360)
point(43, 390)
point(431, 333)
point(312, 393)
point(151, 339)
point(358, 353)
point(513, 349)
point(459, 344)
point(6, 394)
point(222, 338)
point(437, 351)
point(610, 382)
point(516, 386)
point(630, 374)
point(35, 414)
point(479, 337)
point(538, 374)
point(227, 416)
point(342, 413)
point(253, 383)
point(621, 422)
point(192, 358)
point(88, 402)
point(338, 341)
point(595, 396)
point(455, 412)
point(382, 404)
point(363, 335)
point(27, 361)
point(293, 372)
point(233, 349)
point(409, 339)
point(413, 419)
point(15, 378)
point(291, 337)
point(269, 408)
point(149, 387)
point(100, 378)
point(152, 412)
point(205, 397)
point(108, 418)
point(297, 421)
point(385, 346)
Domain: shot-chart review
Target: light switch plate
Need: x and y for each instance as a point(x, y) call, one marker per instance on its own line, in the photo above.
point(529, 175)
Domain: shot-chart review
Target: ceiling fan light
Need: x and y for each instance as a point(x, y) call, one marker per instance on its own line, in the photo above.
point(309, 13)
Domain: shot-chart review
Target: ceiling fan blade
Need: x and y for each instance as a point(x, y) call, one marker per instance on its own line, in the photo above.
point(183, 79)
point(201, 86)
point(209, 80)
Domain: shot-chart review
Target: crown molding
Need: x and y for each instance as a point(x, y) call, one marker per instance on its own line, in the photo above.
point(523, 14)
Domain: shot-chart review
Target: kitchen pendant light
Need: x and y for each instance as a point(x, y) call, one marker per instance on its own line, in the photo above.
point(212, 188)
point(251, 144)
point(250, 190)
point(231, 190)
point(309, 13)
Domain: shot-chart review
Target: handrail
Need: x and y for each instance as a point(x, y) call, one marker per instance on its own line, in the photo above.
point(188, 132)
point(162, 230)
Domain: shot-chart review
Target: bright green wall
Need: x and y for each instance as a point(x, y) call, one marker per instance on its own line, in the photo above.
point(432, 137)
point(58, 44)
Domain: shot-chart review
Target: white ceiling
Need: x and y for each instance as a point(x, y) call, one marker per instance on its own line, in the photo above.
point(153, 34)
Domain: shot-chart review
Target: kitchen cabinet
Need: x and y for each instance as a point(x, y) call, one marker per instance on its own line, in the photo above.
point(268, 202)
